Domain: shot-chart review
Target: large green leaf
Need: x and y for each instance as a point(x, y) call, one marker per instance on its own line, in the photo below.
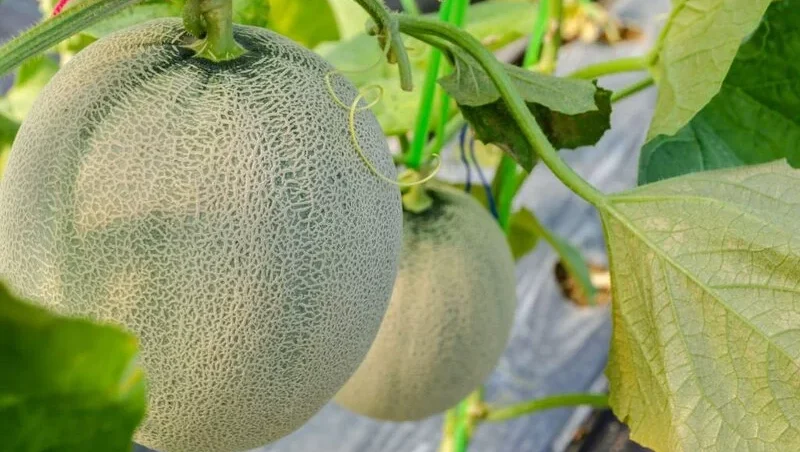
point(694, 53)
point(705, 352)
point(66, 384)
point(571, 112)
point(755, 118)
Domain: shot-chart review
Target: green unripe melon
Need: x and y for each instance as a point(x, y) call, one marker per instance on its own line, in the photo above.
point(449, 317)
point(219, 211)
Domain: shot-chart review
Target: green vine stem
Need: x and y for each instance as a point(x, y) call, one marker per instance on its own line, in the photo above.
point(452, 128)
point(534, 49)
point(387, 26)
point(556, 401)
point(519, 110)
point(457, 16)
point(215, 18)
point(56, 29)
point(547, 33)
point(471, 410)
point(632, 89)
point(552, 40)
point(506, 186)
point(427, 96)
point(630, 64)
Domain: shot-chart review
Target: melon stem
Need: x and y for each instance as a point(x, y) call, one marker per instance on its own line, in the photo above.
point(417, 200)
point(211, 21)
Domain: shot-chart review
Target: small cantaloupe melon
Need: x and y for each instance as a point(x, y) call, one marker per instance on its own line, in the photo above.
point(449, 318)
point(217, 210)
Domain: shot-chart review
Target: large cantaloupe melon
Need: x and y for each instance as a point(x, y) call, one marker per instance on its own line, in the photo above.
point(449, 317)
point(219, 211)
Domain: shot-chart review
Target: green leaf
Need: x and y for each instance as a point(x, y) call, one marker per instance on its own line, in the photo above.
point(754, 119)
point(571, 112)
point(523, 234)
point(308, 22)
point(351, 19)
point(67, 384)
point(255, 13)
point(695, 51)
point(395, 104)
point(500, 22)
point(705, 268)
point(29, 80)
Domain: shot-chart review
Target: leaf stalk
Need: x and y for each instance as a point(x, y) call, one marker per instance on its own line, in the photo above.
point(630, 64)
point(546, 403)
point(56, 29)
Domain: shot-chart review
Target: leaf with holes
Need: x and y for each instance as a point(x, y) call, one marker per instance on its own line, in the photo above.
point(706, 289)
point(67, 384)
point(754, 118)
point(694, 53)
point(571, 112)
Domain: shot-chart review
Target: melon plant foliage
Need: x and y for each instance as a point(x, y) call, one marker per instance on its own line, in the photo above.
point(703, 255)
point(66, 383)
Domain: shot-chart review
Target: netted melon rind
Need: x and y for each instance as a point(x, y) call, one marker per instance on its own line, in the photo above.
point(221, 213)
point(449, 317)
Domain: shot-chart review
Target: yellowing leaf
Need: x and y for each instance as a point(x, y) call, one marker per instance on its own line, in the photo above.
point(694, 53)
point(706, 290)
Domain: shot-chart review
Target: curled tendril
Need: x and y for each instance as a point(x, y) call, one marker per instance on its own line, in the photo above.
point(354, 108)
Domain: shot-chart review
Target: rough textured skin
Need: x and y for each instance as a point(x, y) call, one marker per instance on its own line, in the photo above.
point(219, 211)
point(449, 318)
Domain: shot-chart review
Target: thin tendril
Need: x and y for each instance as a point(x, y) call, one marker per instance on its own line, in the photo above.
point(486, 187)
point(462, 143)
point(355, 108)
